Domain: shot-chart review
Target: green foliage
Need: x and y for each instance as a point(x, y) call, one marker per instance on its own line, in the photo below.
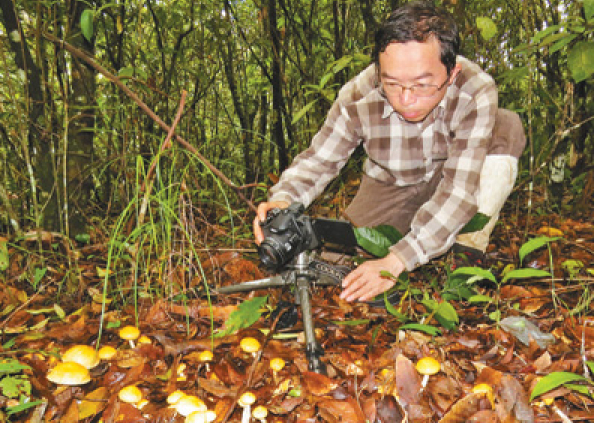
point(246, 315)
point(14, 384)
point(555, 380)
point(487, 27)
point(534, 244)
point(377, 240)
point(4, 257)
point(86, 24)
point(478, 222)
point(581, 60)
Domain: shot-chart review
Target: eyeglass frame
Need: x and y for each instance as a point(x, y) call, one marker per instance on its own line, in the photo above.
point(411, 88)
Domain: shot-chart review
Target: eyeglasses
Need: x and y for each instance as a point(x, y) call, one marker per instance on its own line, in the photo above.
point(418, 90)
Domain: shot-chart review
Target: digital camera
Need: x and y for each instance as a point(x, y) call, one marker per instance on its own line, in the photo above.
point(287, 232)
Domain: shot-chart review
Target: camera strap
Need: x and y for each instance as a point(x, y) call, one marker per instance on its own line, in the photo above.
point(334, 272)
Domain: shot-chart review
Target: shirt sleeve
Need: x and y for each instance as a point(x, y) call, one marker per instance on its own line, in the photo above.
point(437, 222)
point(312, 170)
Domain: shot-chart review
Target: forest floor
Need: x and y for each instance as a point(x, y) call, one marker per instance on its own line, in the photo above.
point(369, 352)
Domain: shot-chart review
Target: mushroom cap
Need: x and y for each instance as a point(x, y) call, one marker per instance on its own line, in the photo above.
point(69, 373)
point(188, 404)
point(206, 355)
point(106, 353)
point(175, 396)
point(249, 344)
point(130, 394)
point(247, 398)
point(144, 340)
point(129, 333)
point(428, 366)
point(482, 388)
point(206, 416)
point(84, 355)
point(277, 364)
point(260, 412)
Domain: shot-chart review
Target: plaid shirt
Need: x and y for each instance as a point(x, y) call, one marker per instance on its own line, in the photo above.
point(456, 133)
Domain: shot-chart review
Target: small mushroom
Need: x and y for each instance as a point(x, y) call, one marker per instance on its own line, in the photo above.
point(188, 404)
point(276, 365)
point(201, 417)
point(69, 373)
point(82, 354)
point(484, 388)
point(250, 345)
point(427, 366)
point(130, 394)
point(106, 352)
point(245, 401)
point(130, 334)
point(206, 357)
point(174, 397)
point(181, 376)
point(144, 340)
point(260, 413)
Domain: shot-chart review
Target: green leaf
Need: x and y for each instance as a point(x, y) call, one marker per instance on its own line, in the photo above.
point(554, 380)
point(534, 244)
point(341, 63)
point(377, 240)
point(480, 299)
point(10, 366)
point(303, 111)
point(475, 271)
point(487, 27)
point(431, 330)
point(581, 60)
point(525, 274)
point(477, 223)
point(562, 43)
point(86, 24)
point(246, 315)
point(541, 34)
point(589, 9)
point(351, 322)
point(4, 257)
point(444, 313)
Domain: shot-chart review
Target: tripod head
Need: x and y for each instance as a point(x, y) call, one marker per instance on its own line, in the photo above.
point(288, 232)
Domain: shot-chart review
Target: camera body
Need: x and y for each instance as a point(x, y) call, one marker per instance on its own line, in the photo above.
point(287, 232)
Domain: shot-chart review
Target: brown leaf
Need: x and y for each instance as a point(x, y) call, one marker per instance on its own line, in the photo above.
point(340, 411)
point(388, 410)
point(408, 381)
point(463, 409)
point(317, 384)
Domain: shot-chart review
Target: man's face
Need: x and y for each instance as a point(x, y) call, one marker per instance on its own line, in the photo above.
point(414, 64)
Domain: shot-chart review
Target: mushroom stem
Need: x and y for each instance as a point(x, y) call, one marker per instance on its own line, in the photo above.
point(551, 403)
point(247, 413)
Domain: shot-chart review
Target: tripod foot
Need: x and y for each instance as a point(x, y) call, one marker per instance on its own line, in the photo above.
point(313, 353)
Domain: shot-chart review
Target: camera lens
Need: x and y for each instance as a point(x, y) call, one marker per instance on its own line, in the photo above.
point(271, 254)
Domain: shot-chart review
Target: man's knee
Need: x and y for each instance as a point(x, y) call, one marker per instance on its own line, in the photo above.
point(509, 137)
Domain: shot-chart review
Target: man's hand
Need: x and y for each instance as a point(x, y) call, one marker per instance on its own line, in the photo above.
point(366, 281)
point(262, 211)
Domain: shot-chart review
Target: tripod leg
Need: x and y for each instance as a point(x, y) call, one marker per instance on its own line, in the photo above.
point(313, 349)
point(272, 282)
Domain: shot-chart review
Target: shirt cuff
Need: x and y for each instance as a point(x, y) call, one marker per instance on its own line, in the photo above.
point(281, 196)
point(409, 252)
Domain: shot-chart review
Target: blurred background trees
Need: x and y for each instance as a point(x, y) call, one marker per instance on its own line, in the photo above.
point(260, 77)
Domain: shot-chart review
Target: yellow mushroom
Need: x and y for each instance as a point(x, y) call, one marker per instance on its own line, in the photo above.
point(69, 373)
point(427, 366)
point(130, 394)
point(106, 352)
point(84, 355)
point(484, 388)
point(130, 334)
point(260, 413)
point(245, 401)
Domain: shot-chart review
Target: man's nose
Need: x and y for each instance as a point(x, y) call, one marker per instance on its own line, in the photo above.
point(407, 97)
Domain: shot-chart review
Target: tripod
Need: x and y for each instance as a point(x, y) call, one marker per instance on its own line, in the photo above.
point(303, 272)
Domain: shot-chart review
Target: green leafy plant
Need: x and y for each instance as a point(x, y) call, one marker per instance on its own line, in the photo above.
point(14, 384)
point(246, 315)
point(556, 379)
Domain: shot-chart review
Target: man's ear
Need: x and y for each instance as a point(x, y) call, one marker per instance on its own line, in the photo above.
point(454, 73)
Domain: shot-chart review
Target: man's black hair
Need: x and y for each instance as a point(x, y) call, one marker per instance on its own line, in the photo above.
point(418, 21)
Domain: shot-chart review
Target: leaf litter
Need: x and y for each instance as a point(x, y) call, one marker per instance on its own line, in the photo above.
point(369, 357)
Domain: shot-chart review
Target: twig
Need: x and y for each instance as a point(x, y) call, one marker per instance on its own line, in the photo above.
point(83, 56)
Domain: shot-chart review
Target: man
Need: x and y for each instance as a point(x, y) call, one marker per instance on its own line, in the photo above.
point(438, 147)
